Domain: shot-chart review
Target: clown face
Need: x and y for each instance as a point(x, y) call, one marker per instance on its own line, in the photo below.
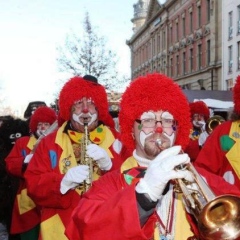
point(42, 127)
point(198, 121)
point(84, 111)
point(154, 132)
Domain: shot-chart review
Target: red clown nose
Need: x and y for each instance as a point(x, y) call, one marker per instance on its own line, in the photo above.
point(85, 110)
point(159, 130)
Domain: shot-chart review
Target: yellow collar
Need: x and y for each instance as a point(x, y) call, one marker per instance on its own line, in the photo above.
point(96, 136)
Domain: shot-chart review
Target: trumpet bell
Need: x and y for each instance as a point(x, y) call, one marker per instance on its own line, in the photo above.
point(220, 218)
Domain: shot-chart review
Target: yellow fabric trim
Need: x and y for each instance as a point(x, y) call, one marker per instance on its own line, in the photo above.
point(53, 228)
point(233, 153)
point(31, 142)
point(108, 141)
point(25, 203)
point(64, 141)
point(182, 227)
point(156, 234)
point(129, 163)
point(77, 136)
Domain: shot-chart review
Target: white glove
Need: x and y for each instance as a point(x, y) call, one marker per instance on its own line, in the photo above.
point(100, 156)
point(74, 177)
point(28, 158)
point(161, 170)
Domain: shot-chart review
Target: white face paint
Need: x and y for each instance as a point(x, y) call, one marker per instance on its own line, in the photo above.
point(168, 132)
point(84, 110)
point(79, 118)
point(41, 128)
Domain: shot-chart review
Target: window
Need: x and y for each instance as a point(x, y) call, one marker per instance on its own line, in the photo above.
point(177, 65)
point(183, 26)
point(238, 22)
point(199, 56)
point(171, 67)
point(208, 10)
point(208, 52)
point(191, 22)
point(177, 31)
point(163, 40)
point(170, 35)
point(229, 83)
point(184, 64)
point(191, 60)
point(230, 61)
point(238, 55)
point(230, 27)
point(199, 16)
point(158, 43)
point(154, 46)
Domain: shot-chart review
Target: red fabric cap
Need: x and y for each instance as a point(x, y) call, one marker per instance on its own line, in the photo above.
point(154, 92)
point(42, 114)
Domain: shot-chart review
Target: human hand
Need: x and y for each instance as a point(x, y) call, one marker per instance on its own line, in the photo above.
point(74, 177)
point(161, 170)
point(100, 156)
point(28, 158)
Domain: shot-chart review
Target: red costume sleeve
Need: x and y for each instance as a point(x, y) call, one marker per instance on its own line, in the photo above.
point(211, 162)
point(43, 180)
point(109, 212)
point(15, 158)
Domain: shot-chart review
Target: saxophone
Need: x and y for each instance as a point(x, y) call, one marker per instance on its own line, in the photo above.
point(85, 159)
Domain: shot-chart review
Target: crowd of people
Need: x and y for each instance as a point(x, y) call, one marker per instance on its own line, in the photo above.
point(72, 175)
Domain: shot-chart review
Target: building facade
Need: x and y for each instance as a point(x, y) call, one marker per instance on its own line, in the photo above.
point(231, 42)
point(182, 39)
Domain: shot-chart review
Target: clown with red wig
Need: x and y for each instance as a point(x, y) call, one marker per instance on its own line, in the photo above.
point(56, 174)
point(139, 202)
point(220, 154)
point(26, 215)
point(199, 115)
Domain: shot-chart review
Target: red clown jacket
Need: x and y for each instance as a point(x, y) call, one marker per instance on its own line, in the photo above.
point(45, 173)
point(220, 157)
point(25, 213)
point(112, 213)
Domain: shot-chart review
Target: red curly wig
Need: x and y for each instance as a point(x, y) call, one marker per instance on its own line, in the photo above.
point(199, 107)
point(236, 95)
point(42, 114)
point(77, 88)
point(154, 92)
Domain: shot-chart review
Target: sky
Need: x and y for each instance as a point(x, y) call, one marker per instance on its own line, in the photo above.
point(30, 32)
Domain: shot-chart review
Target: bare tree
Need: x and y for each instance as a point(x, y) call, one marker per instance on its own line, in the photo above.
point(89, 55)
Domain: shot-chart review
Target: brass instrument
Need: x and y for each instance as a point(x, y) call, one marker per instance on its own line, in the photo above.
point(218, 217)
point(85, 159)
point(213, 122)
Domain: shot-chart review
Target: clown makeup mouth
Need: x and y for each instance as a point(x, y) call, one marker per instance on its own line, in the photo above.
point(81, 118)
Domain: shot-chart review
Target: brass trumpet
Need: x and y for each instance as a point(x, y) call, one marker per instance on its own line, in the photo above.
point(218, 218)
point(213, 122)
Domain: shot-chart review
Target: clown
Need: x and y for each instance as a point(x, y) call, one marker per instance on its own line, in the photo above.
point(25, 214)
point(199, 115)
point(220, 153)
point(57, 169)
point(140, 203)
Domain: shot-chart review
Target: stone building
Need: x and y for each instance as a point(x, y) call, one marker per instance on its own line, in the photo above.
point(182, 39)
point(231, 42)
